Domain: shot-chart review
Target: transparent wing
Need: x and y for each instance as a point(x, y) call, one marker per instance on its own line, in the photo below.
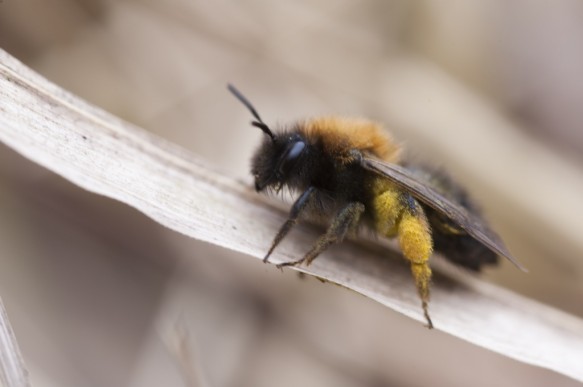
point(424, 193)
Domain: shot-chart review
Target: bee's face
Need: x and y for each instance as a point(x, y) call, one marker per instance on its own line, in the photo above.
point(277, 161)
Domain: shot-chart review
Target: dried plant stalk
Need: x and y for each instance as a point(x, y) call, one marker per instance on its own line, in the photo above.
point(103, 154)
point(12, 370)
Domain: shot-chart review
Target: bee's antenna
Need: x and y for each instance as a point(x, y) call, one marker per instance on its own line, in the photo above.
point(259, 123)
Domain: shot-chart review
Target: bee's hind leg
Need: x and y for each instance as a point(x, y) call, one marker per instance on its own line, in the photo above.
point(345, 221)
point(417, 245)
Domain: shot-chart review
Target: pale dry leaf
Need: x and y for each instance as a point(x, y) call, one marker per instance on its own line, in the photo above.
point(103, 154)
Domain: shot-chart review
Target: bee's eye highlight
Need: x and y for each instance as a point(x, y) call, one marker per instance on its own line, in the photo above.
point(295, 150)
point(291, 156)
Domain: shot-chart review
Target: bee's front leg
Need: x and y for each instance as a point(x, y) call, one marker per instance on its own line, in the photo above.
point(297, 208)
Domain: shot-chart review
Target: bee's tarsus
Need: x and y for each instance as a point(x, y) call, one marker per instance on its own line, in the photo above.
point(426, 314)
point(290, 263)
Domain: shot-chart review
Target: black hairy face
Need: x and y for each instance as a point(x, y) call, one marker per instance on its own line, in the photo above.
point(279, 161)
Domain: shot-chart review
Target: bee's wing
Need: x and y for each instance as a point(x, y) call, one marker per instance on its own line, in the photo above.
point(469, 223)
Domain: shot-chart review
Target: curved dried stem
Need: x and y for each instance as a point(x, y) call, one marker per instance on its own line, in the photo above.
point(103, 154)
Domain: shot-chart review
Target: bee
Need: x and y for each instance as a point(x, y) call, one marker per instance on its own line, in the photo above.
point(351, 172)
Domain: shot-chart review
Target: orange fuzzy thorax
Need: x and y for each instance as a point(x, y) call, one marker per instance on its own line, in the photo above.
point(340, 135)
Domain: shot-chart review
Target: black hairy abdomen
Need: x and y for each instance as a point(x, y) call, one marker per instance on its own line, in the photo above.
point(460, 248)
point(448, 239)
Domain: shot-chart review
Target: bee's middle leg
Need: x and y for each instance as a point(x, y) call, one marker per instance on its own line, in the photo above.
point(345, 221)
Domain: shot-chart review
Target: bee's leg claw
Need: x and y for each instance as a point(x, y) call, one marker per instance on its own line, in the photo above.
point(290, 263)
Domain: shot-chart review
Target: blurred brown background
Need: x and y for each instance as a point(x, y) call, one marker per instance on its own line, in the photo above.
point(100, 295)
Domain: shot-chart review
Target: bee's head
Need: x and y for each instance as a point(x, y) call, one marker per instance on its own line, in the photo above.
point(276, 161)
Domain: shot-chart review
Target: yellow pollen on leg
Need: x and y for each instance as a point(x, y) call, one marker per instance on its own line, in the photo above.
point(417, 245)
point(387, 208)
